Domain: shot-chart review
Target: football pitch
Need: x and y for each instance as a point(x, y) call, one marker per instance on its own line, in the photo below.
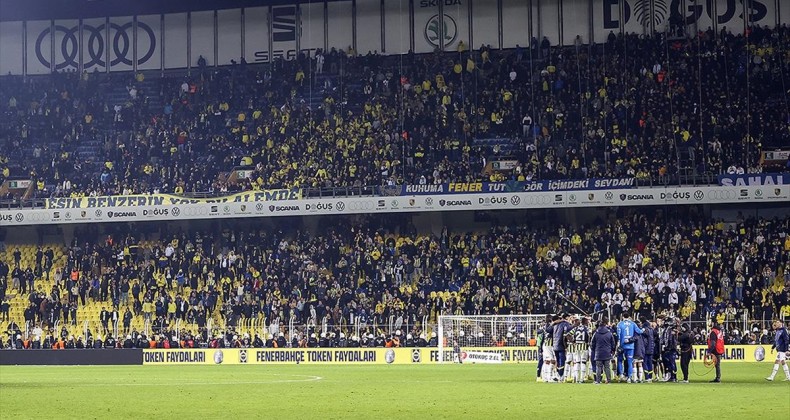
point(383, 391)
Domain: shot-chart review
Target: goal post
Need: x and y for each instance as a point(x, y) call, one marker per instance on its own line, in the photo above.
point(476, 332)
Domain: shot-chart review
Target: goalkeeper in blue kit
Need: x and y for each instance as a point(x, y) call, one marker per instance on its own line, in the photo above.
point(626, 330)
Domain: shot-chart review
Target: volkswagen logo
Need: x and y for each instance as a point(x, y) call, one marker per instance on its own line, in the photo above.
point(515, 200)
point(699, 195)
point(120, 40)
point(19, 217)
point(259, 207)
point(340, 206)
point(609, 195)
point(429, 201)
point(98, 213)
point(176, 211)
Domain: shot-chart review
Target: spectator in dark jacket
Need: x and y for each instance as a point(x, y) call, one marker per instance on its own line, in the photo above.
point(602, 348)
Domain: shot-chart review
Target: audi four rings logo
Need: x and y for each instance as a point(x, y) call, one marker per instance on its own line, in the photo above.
point(722, 194)
point(540, 198)
point(194, 211)
point(360, 205)
point(94, 54)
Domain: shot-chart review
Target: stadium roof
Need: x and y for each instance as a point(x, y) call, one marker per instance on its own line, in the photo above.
point(16, 10)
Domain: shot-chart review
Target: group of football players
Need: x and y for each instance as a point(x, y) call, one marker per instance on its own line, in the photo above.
point(636, 351)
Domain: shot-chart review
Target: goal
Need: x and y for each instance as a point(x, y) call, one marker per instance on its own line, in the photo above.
point(478, 332)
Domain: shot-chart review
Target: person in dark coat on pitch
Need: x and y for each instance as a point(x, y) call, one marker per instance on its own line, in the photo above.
point(602, 348)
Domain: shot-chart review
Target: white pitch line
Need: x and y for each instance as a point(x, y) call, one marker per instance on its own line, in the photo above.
point(307, 378)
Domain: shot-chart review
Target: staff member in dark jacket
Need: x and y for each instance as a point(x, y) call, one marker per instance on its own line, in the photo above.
point(658, 368)
point(650, 346)
point(686, 350)
point(602, 348)
point(669, 351)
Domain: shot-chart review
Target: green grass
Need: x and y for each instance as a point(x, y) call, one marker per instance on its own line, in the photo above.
point(386, 391)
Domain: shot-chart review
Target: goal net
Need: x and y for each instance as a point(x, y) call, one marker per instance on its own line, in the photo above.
point(479, 333)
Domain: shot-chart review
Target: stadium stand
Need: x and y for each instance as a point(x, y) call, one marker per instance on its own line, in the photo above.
point(661, 110)
point(380, 282)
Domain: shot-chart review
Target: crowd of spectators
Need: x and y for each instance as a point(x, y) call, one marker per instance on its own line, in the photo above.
point(392, 282)
point(631, 106)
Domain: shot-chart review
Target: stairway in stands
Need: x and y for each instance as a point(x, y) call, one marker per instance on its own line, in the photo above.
point(90, 149)
point(316, 98)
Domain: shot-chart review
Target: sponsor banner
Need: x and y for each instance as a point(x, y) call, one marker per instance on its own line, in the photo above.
point(738, 353)
point(753, 180)
point(461, 188)
point(401, 355)
point(480, 357)
point(776, 156)
point(269, 34)
point(19, 184)
point(638, 17)
point(252, 356)
point(168, 199)
point(581, 184)
point(244, 205)
point(498, 354)
point(504, 165)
